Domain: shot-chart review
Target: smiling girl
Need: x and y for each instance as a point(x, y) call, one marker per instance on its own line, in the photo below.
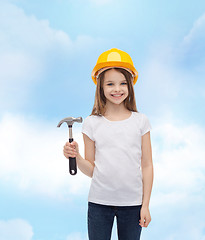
point(118, 154)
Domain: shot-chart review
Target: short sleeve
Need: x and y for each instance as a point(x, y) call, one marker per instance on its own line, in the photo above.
point(145, 125)
point(87, 127)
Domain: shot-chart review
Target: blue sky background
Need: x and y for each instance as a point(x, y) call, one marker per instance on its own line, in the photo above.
point(47, 52)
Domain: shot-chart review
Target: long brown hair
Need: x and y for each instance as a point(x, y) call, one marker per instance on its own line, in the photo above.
point(100, 100)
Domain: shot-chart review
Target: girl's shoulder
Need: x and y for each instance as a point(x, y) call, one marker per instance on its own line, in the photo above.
point(140, 114)
point(141, 117)
point(92, 118)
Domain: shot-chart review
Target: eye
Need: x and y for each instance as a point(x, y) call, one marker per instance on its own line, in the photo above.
point(109, 84)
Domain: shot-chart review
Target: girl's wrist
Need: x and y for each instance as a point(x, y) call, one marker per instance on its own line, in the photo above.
point(78, 156)
point(145, 205)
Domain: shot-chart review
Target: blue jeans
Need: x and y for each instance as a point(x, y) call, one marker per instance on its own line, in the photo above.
point(101, 218)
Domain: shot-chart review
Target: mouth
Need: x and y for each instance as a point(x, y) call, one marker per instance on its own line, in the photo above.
point(116, 95)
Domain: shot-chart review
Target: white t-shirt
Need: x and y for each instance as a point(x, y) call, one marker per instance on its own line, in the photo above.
point(117, 176)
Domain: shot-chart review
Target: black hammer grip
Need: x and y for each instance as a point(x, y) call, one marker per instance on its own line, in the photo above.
point(72, 163)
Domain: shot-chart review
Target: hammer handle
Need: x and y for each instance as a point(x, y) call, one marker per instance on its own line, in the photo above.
point(72, 162)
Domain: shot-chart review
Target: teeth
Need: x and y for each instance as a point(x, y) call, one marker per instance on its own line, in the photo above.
point(117, 95)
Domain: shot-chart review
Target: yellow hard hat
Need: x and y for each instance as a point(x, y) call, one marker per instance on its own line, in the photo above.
point(114, 58)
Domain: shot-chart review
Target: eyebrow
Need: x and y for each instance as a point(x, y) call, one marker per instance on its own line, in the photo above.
point(112, 81)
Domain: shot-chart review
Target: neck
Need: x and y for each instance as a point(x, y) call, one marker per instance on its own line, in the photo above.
point(114, 109)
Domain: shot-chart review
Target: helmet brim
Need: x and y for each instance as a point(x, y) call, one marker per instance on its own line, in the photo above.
point(99, 68)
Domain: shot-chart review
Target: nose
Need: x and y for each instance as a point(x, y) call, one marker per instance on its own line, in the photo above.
point(117, 88)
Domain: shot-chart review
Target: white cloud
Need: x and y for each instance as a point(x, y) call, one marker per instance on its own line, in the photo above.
point(172, 73)
point(15, 229)
point(193, 46)
point(178, 155)
point(19, 31)
point(27, 48)
point(24, 44)
point(178, 189)
point(197, 31)
point(189, 230)
point(32, 157)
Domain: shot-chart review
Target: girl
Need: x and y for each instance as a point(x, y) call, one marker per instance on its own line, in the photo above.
point(118, 155)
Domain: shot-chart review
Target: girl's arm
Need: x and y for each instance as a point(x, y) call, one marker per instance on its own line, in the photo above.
point(87, 165)
point(147, 168)
point(147, 179)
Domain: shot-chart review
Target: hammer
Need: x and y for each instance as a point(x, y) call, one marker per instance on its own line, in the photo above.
point(70, 121)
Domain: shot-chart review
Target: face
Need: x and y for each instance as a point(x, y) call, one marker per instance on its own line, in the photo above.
point(115, 87)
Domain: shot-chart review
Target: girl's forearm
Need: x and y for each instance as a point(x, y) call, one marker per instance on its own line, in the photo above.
point(147, 178)
point(85, 166)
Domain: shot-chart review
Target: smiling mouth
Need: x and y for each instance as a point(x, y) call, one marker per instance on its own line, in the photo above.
point(117, 95)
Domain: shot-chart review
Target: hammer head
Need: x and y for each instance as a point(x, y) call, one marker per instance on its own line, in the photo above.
point(70, 121)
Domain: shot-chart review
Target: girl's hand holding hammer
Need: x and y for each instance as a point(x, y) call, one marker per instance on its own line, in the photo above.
point(71, 149)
